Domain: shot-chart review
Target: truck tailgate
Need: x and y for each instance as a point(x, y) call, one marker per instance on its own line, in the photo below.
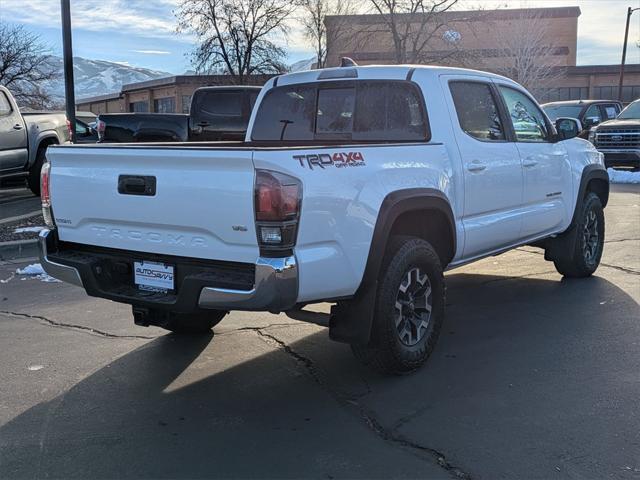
point(202, 206)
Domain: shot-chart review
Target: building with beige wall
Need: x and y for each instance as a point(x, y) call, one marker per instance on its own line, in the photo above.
point(450, 36)
point(485, 40)
point(472, 39)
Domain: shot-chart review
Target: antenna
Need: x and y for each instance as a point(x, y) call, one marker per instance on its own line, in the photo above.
point(348, 62)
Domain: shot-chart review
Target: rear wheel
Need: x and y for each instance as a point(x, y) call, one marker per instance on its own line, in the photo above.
point(33, 179)
point(583, 257)
point(193, 323)
point(409, 308)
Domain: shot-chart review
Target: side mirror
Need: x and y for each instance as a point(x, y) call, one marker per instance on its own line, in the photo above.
point(568, 128)
point(591, 122)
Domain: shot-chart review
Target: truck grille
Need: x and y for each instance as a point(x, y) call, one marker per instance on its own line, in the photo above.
point(618, 138)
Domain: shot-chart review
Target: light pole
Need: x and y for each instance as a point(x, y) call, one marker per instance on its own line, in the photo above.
point(624, 51)
point(67, 58)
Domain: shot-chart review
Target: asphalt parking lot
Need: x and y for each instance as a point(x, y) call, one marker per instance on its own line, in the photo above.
point(17, 201)
point(534, 377)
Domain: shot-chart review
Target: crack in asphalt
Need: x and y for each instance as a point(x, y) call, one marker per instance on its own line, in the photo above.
point(608, 265)
point(70, 326)
point(351, 403)
point(622, 240)
point(622, 269)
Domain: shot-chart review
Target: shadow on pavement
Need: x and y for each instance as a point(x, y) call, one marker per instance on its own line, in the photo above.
point(532, 379)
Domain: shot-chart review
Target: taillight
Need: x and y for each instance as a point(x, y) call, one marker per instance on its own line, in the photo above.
point(277, 209)
point(70, 131)
point(100, 128)
point(45, 195)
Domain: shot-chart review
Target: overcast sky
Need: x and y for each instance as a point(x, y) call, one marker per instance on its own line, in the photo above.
point(142, 32)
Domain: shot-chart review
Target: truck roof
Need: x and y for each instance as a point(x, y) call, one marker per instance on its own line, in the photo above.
point(578, 102)
point(374, 72)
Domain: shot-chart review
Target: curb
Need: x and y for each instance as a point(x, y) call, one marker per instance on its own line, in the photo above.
point(19, 249)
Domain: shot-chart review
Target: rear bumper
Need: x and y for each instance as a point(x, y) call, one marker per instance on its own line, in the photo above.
point(621, 158)
point(271, 284)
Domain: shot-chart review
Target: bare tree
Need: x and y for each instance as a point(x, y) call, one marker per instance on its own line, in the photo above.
point(25, 66)
point(526, 53)
point(313, 19)
point(236, 37)
point(414, 26)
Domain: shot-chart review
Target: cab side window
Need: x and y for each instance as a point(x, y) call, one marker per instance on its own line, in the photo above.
point(528, 121)
point(477, 110)
point(593, 115)
point(5, 106)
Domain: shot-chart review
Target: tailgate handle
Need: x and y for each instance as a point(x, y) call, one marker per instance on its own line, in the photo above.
point(137, 185)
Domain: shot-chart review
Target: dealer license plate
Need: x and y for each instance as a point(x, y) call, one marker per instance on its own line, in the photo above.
point(153, 276)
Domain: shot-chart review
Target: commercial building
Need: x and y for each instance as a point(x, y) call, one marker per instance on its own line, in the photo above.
point(162, 95)
point(486, 40)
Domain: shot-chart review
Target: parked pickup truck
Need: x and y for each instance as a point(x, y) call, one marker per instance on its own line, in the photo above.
point(217, 113)
point(619, 139)
point(24, 139)
point(356, 186)
point(589, 112)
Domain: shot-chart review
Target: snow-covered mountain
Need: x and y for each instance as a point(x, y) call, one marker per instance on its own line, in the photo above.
point(98, 77)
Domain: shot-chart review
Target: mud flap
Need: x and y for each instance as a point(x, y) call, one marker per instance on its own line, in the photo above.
point(555, 247)
point(351, 320)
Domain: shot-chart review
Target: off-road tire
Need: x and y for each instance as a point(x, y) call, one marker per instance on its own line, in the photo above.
point(387, 352)
point(193, 323)
point(583, 257)
point(33, 178)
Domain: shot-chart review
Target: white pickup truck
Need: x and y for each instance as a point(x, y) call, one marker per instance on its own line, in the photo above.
point(356, 186)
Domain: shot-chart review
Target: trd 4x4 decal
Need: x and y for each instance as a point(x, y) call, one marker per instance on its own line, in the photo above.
point(338, 160)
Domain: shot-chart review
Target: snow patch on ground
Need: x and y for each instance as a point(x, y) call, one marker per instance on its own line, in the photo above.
point(623, 176)
point(35, 270)
point(29, 229)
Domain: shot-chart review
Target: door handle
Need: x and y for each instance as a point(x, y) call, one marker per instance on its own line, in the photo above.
point(137, 185)
point(529, 162)
point(476, 166)
point(17, 126)
point(203, 124)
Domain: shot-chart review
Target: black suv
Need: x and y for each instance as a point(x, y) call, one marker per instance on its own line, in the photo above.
point(589, 112)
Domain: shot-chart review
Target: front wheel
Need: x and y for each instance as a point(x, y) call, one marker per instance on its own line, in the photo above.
point(409, 308)
point(583, 257)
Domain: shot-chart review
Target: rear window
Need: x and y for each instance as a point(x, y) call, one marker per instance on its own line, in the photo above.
point(376, 111)
point(228, 104)
point(556, 111)
point(335, 110)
